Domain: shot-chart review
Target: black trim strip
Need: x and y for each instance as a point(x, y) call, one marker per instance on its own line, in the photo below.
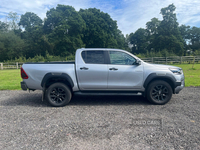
point(155, 76)
point(49, 76)
point(103, 93)
point(72, 62)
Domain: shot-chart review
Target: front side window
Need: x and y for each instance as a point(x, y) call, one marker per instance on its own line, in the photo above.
point(93, 57)
point(121, 58)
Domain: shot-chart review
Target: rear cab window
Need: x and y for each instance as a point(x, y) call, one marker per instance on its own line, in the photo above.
point(94, 57)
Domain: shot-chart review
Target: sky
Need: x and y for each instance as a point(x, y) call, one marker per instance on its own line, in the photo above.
point(129, 14)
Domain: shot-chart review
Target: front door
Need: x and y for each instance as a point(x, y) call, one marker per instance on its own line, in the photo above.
point(123, 73)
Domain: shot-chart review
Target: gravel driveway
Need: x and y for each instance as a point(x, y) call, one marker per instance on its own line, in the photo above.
point(99, 122)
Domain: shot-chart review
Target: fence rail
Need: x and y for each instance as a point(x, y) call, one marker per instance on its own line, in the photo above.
point(173, 60)
point(156, 60)
point(11, 65)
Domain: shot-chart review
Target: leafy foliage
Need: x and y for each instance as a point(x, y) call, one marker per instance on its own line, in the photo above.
point(160, 36)
point(10, 45)
point(64, 27)
point(101, 30)
point(3, 27)
point(29, 21)
point(64, 30)
point(13, 18)
point(139, 41)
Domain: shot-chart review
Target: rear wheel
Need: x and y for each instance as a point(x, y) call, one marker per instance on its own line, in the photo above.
point(58, 94)
point(159, 92)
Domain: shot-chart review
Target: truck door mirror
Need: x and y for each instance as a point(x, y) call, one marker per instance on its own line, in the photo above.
point(137, 62)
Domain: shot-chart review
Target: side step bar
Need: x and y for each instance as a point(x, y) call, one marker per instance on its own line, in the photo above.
point(108, 93)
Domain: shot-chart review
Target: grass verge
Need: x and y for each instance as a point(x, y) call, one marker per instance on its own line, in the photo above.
point(192, 75)
point(10, 79)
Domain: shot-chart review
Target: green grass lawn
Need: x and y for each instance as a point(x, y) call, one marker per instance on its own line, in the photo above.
point(192, 76)
point(10, 79)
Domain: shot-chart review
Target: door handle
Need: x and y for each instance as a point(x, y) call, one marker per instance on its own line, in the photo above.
point(113, 69)
point(84, 68)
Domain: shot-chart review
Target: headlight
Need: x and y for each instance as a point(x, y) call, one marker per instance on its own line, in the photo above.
point(177, 71)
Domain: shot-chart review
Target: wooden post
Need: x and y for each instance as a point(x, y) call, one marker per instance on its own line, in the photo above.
point(152, 59)
point(166, 60)
point(1, 66)
point(17, 65)
point(193, 62)
point(181, 59)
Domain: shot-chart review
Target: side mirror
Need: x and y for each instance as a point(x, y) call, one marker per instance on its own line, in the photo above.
point(137, 62)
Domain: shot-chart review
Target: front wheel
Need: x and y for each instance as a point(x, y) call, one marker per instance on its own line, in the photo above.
point(159, 92)
point(58, 94)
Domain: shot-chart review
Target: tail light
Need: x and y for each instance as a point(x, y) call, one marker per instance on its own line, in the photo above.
point(23, 74)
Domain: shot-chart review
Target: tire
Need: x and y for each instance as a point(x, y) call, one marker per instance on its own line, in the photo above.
point(159, 92)
point(58, 95)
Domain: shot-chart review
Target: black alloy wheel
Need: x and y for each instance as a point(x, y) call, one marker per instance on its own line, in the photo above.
point(159, 92)
point(58, 94)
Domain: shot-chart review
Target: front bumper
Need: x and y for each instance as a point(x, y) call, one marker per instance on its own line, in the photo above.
point(179, 88)
point(23, 86)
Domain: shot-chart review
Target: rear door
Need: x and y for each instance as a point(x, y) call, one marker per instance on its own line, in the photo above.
point(123, 73)
point(92, 71)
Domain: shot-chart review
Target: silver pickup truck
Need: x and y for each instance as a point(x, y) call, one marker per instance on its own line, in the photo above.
point(98, 71)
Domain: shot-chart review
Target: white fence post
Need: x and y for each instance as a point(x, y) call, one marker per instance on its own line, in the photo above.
point(17, 65)
point(1, 66)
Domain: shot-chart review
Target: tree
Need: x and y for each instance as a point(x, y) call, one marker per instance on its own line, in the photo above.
point(33, 34)
point(152, 26)
point(185, 33)
point(122, 42)
point(63, 27)
point(139, 41)
point(194, 36)
point(152, 31)
point(101, 30)
point(13, 18)
point(159, 36)
point(3, 27)
point(11, 46)
point(169, 35)
point(29, 21)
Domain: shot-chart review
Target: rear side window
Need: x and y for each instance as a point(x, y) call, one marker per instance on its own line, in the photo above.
point(93, 57)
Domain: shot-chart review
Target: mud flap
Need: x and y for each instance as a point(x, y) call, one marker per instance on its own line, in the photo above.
point(43, 93)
